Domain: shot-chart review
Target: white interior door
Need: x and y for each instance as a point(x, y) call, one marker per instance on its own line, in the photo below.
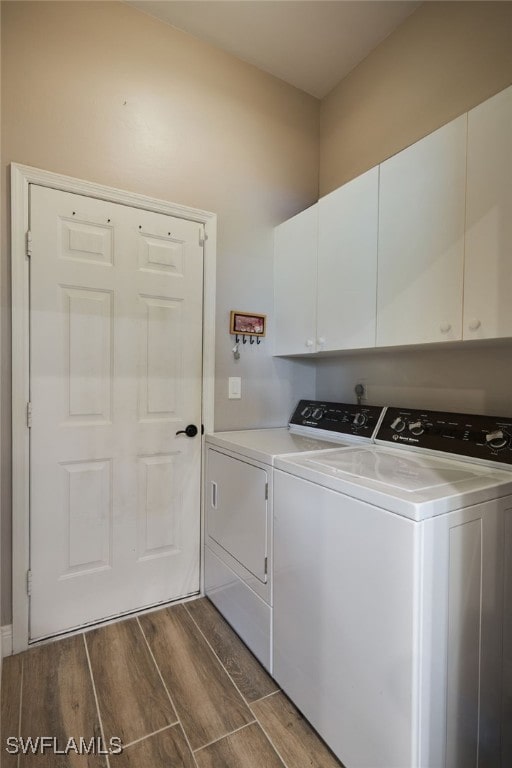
point(115, 368)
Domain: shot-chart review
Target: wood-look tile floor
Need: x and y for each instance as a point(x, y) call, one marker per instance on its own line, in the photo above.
point(177, 687)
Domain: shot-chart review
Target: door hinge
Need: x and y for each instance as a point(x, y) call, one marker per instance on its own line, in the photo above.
point(29, 244)
point(266, 566)
point(29, 415)
point(29, 582)
point(203, 237)
point(266, 491)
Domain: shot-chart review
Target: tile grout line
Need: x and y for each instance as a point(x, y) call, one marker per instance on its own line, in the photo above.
point(19, 712)
point(267, 696)
point(167, 691)
point(226, 735)
point(148, 735)
point(271, 742)
point(249, 704)
point(96, 698)
point(241, 694)
point(269, 738)
point(210, 646)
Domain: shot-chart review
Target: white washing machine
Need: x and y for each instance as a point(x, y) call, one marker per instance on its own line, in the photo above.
point(238, 508)
point(393, 592)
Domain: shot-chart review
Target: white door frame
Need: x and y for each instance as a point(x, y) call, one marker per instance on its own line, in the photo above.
point(21, 177)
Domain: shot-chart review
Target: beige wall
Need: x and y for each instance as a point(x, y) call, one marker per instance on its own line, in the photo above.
point(474, 380)
point(101, 91)
point(443, 60)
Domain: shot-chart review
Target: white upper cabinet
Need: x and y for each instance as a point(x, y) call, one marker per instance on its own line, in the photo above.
point(347, 264)
point(295, 260)
point(488, 263)
point(415, 251)
point(421, 240)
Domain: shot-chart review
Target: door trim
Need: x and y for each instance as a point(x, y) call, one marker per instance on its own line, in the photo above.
point(21, 177)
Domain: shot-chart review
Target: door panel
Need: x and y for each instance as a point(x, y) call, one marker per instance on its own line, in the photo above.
point(116, 337)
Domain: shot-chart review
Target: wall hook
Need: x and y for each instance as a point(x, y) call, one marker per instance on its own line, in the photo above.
point(244, 340)
point(258, 340)
point(252, 339)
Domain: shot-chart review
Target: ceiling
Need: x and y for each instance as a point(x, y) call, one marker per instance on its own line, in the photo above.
point(311, 44)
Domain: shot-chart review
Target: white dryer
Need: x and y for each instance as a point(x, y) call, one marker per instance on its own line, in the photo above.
point(238, 508)
point(393, 592)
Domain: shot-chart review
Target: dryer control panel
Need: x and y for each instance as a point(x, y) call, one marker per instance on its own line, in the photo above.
point(467, 435)
point(342, 418)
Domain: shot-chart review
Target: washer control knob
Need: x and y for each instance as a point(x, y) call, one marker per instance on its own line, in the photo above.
point(306, 412)
point(360, 419)
point(416, 427)
point(398, 425)
point(318, 413)
point(474, 325)
point(496, 439)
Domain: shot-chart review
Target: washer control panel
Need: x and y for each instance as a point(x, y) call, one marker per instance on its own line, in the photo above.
point(343, 418)
point(478, 437)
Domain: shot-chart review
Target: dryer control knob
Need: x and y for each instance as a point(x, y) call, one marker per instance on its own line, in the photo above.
point(360, 419)
point(416, 427)
point(398, 425)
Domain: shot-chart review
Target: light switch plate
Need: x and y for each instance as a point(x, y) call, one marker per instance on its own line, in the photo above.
point(234, 388)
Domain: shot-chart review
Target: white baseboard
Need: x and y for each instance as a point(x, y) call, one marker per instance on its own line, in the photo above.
point(6, 632)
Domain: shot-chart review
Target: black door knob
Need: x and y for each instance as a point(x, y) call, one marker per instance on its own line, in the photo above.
point(190, 431)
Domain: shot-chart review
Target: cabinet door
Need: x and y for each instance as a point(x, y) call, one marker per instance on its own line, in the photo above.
point(488, 261)
point(295, 261)
point(347, 264)
point(421, 240)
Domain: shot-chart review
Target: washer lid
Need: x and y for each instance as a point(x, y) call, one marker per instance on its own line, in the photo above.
point(410, 473)
point(414, 485)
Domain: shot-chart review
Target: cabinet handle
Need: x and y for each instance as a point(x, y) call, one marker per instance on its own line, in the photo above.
point(309, 343)
point(321, 341)
point(474, 325)
point(445, 327)
point(214, 495)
